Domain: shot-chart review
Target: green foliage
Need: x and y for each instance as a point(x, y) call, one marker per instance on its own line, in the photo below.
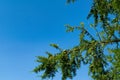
point(101, 51)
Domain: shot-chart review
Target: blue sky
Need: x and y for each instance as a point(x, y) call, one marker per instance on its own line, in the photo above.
point(27, 27)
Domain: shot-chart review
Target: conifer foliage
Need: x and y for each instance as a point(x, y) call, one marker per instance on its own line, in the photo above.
point(101, 51)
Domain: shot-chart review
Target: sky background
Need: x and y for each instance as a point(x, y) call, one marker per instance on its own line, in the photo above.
point(27, 27)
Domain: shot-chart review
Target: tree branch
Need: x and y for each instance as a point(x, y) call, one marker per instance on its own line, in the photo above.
point(111, 41)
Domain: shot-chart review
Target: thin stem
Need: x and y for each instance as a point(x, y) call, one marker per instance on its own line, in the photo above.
point(98, 34)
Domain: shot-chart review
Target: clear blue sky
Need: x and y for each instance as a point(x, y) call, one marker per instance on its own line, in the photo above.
point(27, 27)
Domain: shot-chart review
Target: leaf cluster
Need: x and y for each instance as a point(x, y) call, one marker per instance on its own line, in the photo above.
point(99, 51)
